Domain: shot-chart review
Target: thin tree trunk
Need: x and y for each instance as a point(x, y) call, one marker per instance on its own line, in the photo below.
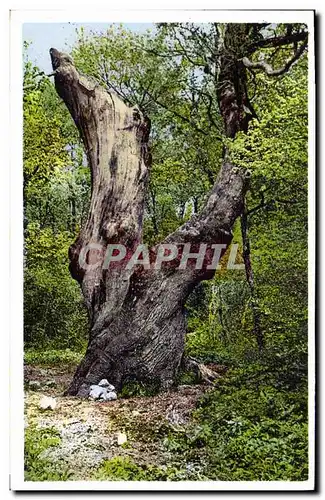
point(250, 280)
point(220, 314)
point(137, 316)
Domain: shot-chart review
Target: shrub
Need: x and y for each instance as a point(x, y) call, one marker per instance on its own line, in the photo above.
point(248, 430)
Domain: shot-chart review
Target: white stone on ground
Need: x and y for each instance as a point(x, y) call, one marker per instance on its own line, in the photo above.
point(96, 392)
point(110, 396)
point(47, 403)
point(105, 383)
point(104, 391)
point(121, 438)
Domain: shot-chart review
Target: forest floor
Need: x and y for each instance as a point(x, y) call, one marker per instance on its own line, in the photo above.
point(91, 432)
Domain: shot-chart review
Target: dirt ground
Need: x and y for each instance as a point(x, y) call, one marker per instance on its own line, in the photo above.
point(92, 431)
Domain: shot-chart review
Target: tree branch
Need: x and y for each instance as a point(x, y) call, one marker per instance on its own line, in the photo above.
point(182, 117)
point(277, 41)
point(35, 85)
point(269, 204)
point(267, 68)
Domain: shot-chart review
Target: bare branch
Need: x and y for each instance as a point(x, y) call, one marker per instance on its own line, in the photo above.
point(257, 207)
point(182, 117)
point(35, 85)
point(184, 51)
point(270, 203)
point(212, 121)
point(267, 68)
point(277, 41)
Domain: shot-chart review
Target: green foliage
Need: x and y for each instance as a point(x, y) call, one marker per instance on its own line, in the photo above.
point(249, 430)
point(45, 118)
point(50, 357)
point(257, 433)
point(125, 469)
point(53, 308)
point(186, 378)
point(56, 197)
point(38, 468)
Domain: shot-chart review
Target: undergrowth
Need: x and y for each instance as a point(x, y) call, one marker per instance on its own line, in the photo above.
point(249, 428)
point(125, 469)
point(37, 467)
point(52, 357)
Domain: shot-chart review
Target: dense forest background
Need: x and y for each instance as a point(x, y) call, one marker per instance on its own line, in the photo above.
point(253, 424)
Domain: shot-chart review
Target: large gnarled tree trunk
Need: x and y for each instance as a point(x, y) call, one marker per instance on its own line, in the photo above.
point(137, 315)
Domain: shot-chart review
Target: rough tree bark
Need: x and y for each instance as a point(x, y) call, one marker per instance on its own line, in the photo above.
point(137, 322)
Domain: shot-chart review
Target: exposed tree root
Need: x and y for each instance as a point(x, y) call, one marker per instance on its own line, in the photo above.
point(202, 372)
